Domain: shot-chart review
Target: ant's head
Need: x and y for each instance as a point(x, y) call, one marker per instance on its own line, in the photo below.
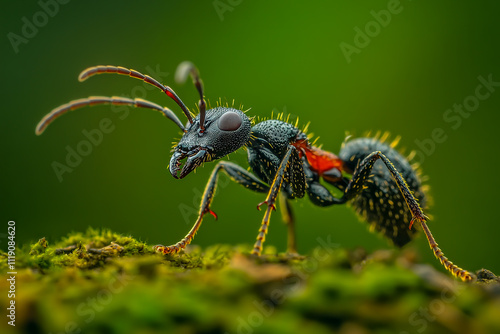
point(211, 135)
point(224, 131)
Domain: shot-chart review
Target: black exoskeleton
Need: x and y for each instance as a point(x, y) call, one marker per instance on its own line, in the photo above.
point(372, 175)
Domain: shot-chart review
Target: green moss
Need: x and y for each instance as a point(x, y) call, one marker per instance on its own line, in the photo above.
point(103, 282)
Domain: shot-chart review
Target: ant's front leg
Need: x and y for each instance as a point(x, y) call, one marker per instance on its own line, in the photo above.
point(238, 175)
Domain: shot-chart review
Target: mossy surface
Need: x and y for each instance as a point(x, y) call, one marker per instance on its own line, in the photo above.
point(102, 282)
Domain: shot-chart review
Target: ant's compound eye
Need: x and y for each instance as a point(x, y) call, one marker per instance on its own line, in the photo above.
point(230, 121)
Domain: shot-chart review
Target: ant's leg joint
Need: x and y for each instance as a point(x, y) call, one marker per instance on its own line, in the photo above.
point(272, 205)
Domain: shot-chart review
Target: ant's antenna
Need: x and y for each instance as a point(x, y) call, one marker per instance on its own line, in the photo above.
point(185, 68)
point(135, 74)
point(97, 100)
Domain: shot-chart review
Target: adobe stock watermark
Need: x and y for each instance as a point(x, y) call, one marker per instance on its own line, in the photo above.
point(265, 308)
point(421, 318)
point(454, 117)
point(87, 310)
point(94, 137)
point(373, 28)
point(223, 6)
point(31, 26)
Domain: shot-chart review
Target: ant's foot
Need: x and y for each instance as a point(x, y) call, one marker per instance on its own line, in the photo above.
point(166, 249)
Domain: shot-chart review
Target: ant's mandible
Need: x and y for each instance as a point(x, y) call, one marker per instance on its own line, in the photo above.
point(385, 193)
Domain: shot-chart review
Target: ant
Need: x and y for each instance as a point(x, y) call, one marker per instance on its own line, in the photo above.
point(284, 162)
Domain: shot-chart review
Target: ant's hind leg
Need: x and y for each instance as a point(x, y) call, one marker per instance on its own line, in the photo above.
point(357, 184)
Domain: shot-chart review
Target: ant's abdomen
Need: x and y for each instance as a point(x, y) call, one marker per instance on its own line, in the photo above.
point(381, 203)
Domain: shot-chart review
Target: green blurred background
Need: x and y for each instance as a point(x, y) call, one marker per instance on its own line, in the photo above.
point(267, 56)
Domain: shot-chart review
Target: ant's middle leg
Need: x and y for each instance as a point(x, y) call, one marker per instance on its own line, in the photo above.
point(290, 165)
